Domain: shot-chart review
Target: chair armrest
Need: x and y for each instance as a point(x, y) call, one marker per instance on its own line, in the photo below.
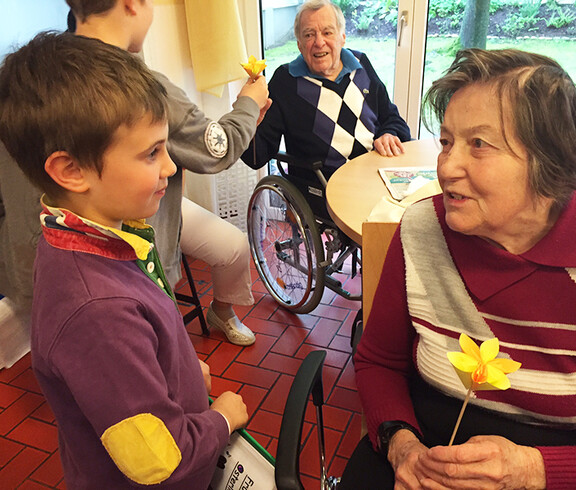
point(316, 166)
point(308, 381)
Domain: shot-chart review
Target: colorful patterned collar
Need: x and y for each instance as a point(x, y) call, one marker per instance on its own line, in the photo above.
point(65, 230)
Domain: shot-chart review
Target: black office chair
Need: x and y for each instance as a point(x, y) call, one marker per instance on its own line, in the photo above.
point(308, 381)
point(192, 299)
point(287, 223)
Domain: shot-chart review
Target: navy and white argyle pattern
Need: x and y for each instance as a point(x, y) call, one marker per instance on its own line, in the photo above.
point(343, 119)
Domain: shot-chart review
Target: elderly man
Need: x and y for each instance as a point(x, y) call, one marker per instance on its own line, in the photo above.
point(329, 103)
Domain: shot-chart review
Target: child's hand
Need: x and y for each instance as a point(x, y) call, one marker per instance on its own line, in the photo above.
point(206, 373)
point(233, 408)
point(257, 90)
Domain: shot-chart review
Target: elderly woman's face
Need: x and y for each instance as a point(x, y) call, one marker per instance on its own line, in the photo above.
point(320, 42)
point(485, 182)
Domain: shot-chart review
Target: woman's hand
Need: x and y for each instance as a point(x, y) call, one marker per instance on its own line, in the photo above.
point(403, 454)
point(484, 462)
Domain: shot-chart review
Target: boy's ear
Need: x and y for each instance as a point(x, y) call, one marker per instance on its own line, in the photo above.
point(129, 6)
point(66, 172)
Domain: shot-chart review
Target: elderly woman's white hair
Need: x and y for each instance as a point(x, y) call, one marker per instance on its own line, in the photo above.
point(317, 5)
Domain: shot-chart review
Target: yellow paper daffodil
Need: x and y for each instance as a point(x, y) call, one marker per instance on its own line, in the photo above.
point(254, 67)
point(478, 365)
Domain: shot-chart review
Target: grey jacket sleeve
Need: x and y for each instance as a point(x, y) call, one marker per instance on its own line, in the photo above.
point(19, 231)
point(204, 146)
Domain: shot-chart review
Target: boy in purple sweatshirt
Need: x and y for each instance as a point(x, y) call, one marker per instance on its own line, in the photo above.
point(87, 124)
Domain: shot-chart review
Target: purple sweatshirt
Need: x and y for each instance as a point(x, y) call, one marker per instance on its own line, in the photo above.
point(116, 364)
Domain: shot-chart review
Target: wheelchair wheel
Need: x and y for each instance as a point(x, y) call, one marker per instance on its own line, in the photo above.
point(286, 245)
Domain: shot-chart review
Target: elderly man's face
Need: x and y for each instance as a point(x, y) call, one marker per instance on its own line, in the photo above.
point(320, 42)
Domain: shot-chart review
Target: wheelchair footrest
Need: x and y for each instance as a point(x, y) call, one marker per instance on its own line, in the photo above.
point(336, 286)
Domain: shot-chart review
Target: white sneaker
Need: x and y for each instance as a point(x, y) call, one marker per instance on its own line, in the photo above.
point(236, 332)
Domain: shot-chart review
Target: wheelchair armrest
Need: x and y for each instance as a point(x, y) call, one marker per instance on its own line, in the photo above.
point(308, 380)
point(316, 166)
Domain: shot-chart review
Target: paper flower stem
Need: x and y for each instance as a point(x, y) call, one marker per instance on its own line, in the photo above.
point(461, 414)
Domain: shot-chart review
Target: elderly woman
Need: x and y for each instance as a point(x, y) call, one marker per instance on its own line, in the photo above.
point(493, 256)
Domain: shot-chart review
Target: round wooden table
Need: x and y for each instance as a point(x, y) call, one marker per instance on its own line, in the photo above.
point(353, 191)
point(356, 187)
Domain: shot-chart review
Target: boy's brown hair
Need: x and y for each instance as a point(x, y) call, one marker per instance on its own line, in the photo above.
point(63, 92)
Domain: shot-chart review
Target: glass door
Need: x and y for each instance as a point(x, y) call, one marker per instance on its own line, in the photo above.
point(21, 20)
point(545, 27)
point(411, 42)
point(409, 67)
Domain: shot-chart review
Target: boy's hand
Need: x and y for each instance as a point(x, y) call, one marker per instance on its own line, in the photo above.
point(233, 408)
point(206, 373)
point(257, 90)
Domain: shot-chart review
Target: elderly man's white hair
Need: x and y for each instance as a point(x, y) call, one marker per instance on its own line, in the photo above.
point(317, 5)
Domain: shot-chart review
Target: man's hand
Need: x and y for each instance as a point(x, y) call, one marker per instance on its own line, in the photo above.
point(484, 462)
point(263, 111)
point(388, 145)
point(233, 408)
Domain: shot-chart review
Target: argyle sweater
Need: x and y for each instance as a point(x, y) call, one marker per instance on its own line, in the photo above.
point(437, 283)
point(325, 120)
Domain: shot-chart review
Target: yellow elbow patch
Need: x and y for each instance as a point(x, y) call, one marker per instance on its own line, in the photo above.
point(142, 448)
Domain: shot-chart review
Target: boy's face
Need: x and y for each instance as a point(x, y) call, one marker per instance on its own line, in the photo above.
point(135, 172)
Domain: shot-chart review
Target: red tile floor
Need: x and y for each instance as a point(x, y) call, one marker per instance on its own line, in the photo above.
point(262, 373)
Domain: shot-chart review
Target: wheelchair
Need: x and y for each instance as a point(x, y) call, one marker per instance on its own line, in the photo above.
point(295, 245)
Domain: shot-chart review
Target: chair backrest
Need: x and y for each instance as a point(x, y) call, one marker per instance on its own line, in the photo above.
point(376, 239)
point(308, 381)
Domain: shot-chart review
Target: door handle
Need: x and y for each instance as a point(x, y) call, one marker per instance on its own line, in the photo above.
point(403, 21)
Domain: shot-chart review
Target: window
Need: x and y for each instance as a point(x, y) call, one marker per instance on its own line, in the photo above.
point(411, 42)
point(22, 19)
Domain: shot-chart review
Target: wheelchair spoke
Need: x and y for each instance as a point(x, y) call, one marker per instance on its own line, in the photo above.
point(282, 248)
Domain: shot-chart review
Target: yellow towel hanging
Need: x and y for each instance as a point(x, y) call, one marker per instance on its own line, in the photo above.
point(217, 44)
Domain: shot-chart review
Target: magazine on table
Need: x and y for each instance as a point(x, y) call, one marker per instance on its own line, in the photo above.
point(403, 181)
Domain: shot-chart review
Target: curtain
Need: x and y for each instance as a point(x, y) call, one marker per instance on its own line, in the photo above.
point(217, 44)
